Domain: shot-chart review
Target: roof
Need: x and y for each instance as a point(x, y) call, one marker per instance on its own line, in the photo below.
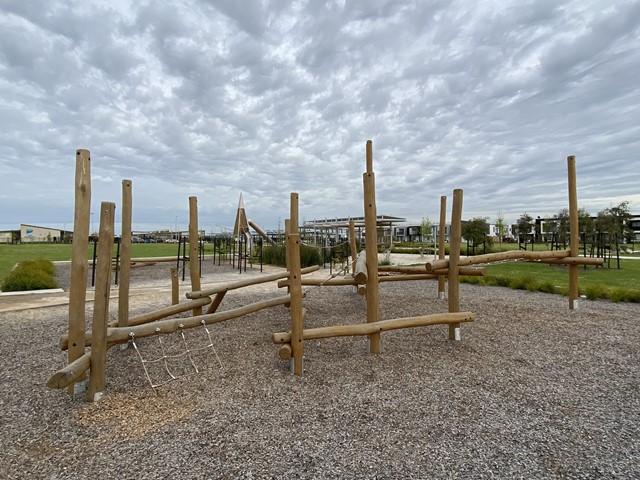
point(358, 221)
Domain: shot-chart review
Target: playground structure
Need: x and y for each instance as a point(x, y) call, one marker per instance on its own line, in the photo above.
point(365, 277)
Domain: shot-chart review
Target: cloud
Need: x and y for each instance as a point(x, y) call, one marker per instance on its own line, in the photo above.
point(267, 97)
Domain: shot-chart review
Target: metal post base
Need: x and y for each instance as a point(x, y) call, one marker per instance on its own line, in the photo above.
point(457, 334)
point(292, 367)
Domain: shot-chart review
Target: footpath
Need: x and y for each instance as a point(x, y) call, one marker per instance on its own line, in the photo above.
point(12, 302)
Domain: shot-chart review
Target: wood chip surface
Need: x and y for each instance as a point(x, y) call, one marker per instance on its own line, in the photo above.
point(533, 390)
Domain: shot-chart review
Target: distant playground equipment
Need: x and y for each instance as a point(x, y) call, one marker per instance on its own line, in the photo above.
point(365, 277)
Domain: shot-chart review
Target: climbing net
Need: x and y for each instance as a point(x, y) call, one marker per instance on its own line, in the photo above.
point(172, 357)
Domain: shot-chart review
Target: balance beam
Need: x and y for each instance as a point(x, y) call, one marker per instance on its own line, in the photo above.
point(496, 257)
point(376, 327)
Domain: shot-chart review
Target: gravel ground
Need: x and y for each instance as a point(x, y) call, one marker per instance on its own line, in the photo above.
point(533, 390)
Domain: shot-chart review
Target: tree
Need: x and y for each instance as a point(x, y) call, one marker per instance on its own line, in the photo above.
point(548, 227)
point(562, 226)
point(615, 221)
point(525, 223)
point(475, 230)
point(500, 227)
point(426, 229)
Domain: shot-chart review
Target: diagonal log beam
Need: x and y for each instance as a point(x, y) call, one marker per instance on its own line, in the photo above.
point(225, 287)
point(163, 327)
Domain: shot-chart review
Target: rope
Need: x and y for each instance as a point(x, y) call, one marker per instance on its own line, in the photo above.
point(165, 357)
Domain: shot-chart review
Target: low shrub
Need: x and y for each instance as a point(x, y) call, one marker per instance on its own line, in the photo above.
point(547, 287)
point(594, 292)
point(624, 295)
point(498, 281)
point(277, 255)
point(523, 283)
point(30, 275)
point(472, 280)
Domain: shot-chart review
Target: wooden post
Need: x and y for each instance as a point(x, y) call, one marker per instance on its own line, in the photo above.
point(175, 288)
point(371, 247)
point(125, 256)
point(194, 243)
point(454, 258)
point(79, 260)
point(295, 288)
point(287, 230)
point(441, 243)
point(573, 232)
point(97, 378)
point(352, 245)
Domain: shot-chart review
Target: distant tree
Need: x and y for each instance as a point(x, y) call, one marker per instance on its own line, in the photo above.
point(615, 221)
point(501, 228)
point(562, 223)
point(475, 230)
point(524, 225)
point(426, 229)
point(585, 222)
point(562, 226)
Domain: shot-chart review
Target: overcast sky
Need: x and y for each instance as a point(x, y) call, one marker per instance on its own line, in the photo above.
point(213, 98)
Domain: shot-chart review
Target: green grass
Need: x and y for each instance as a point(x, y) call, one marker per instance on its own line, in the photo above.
point(10, 255)
point(605, 283)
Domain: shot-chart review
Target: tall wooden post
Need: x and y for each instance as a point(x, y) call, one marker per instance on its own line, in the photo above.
point(194, 244)
point(352, 245)
point(79, 259)
point(97, 378)
point(295, 287)
point(573, 231)
point(125, 256)
point(287, 230)
point(371, 247)
point(441, 242)
point(454, 258)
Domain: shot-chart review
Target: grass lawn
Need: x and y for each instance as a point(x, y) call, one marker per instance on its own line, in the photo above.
point(10, 255)
point(622, 284)
point(627, 277)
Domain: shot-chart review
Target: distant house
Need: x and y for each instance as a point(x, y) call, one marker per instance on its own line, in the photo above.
point(39, 234)
point(9, 236)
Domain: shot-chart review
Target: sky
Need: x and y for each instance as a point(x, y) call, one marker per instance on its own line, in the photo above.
point(214, 98)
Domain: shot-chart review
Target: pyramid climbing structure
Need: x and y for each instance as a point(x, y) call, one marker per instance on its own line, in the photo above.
point(241, 226)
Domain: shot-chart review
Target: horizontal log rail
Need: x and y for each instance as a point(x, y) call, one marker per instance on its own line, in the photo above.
point(404, 276)
point(375, 327)
point(469, 271)
point(572, 261)
point(225, 287)
point(496, 257)
point(152, 259)
point(163, 327)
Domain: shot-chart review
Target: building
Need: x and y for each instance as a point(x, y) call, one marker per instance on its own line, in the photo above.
point(38, 234)
point(336, 230)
